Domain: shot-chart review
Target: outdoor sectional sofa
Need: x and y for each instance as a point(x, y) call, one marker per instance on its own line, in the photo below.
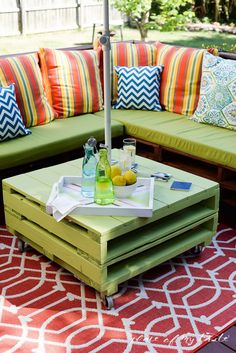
point(59, 123)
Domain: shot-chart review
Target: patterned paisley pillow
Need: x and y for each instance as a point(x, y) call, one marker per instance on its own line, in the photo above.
point(217, 103)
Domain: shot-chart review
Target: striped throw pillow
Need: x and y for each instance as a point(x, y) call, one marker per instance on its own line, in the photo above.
point(129, 54)
point(181, 77)
point(24, 72)
point(138, 87)
point(71, 81)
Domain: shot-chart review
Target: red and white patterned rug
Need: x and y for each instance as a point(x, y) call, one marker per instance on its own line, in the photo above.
point(175, 307)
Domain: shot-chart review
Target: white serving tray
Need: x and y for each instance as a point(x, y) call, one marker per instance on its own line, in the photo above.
point(139, 204)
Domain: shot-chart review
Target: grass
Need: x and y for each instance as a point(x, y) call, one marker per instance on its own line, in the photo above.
point(199, 39)
point(24, 43)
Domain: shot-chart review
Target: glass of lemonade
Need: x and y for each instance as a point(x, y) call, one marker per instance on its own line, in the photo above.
point(124, 160)
point(129, 147)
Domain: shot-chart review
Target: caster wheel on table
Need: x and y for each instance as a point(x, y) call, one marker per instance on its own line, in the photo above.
point(108, 301)
point(197, 250)
point(21, 245)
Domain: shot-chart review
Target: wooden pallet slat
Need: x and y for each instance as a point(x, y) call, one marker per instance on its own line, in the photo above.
point(56, 246)
point(76, 235)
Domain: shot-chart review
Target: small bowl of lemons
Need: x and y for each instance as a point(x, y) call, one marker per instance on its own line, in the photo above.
point(124, 184)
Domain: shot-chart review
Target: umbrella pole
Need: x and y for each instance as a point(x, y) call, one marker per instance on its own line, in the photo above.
point(105, 41)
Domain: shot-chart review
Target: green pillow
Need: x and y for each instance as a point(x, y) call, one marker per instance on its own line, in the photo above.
point(217, 102)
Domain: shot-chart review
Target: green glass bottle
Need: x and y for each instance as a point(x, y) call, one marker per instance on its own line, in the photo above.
point(103, 194)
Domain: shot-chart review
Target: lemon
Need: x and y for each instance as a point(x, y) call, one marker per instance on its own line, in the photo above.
point(119, 180)
point(115, 170)
point(130, 177)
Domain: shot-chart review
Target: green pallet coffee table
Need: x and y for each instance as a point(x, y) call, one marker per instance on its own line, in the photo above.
point(104, 251)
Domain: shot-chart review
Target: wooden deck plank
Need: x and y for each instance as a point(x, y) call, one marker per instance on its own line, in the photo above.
point(224, 343)
point(230, 336)
point(215, 347)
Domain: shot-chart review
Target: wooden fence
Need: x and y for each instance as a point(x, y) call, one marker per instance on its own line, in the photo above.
point(38, 16)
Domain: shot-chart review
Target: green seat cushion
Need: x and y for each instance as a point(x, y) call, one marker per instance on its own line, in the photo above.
point(61, 135)
point(176, 131)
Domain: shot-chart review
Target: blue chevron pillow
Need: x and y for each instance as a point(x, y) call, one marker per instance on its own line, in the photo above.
point(11, 123)
point(138, 87)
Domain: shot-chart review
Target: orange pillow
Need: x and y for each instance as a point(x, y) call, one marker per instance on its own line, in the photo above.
point(181, 77)
point(129, 54)
point(71, 81)
point(24, 72)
